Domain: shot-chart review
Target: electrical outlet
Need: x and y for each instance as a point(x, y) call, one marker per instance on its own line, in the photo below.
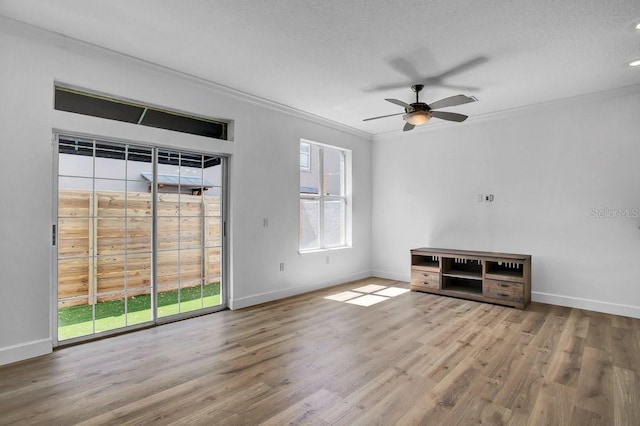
point(327, 260)
point(281, 266)
point(265, 222)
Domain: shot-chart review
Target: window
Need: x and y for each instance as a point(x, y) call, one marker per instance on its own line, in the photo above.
point(305, 156)
point(323, 197)
point(86, 103)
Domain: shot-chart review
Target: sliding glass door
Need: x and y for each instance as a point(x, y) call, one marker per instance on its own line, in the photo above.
point(189, 224)
point(138, 238)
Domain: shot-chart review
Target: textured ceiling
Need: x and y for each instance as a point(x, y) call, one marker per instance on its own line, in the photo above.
point(340, 59)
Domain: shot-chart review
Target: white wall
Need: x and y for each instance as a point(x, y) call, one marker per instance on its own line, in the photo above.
point(264, 176)
point(548, 166)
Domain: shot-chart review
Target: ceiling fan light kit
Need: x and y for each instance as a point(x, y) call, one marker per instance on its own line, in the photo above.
point(418, 113)
point(417, 117)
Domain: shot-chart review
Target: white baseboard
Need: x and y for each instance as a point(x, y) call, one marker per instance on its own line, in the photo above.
point(551, 299)
point(392, 276)
point(586, 304)
point(24, 351)
point(269, 296)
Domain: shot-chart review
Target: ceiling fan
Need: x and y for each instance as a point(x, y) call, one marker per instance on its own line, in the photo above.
point(418, 113)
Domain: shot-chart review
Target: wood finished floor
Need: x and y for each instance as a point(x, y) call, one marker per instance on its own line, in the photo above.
point(412, 359)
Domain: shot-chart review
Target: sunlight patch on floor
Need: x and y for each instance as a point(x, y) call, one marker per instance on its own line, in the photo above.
point(371, 288)
point(367, 300)
point(392, 291)
point(345, 295)
point(367, 295)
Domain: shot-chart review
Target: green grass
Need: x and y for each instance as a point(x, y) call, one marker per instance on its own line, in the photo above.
point(75, 321)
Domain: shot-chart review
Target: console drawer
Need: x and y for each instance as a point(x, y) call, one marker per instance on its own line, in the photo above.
point(424, 280)
point(503, 290)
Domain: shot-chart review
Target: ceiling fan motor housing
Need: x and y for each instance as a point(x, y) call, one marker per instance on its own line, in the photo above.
point(417, 106)
point(417, 113)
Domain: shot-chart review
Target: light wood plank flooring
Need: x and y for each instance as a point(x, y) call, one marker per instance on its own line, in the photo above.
point(412, 359)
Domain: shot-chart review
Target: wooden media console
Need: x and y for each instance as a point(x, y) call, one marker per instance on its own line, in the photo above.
point(500, 278)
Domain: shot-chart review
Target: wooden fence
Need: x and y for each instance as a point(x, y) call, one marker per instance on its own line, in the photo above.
point(104, 243)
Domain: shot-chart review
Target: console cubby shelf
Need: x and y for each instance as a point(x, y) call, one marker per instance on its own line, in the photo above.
point(501, 278)
point(507, 271)
point(427, 263)
point(463, 274)
point(462, 285)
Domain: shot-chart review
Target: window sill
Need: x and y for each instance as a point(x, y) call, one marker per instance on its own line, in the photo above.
point(323, 250)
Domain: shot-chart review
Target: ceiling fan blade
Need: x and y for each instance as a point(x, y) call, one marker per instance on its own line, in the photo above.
point(405, 67)
point(463, 67)
point(410, 71)
point(389, 86)
point(452, 101)
point(398, 102)
point(428, 82)
point(407, 127)
point(431, 82)
point(382, 116)
point(449, 116)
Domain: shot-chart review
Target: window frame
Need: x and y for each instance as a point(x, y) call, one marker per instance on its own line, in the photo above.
point(76, 100)
point(307, 166)
point(322, 197)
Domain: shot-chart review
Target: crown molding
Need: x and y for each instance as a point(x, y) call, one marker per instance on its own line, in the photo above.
point(31, 32)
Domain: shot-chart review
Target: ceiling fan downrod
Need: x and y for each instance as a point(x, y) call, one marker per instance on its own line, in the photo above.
point(417, 88)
